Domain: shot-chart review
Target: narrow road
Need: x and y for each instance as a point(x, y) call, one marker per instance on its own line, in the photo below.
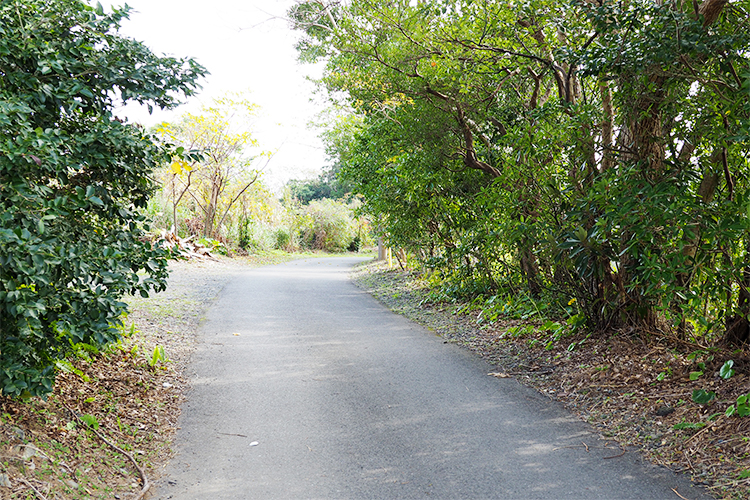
point(305, 387)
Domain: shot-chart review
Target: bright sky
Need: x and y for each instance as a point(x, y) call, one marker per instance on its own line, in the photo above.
point(246, 45)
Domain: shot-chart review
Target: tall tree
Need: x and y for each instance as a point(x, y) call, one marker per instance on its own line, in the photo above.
point(609, 139)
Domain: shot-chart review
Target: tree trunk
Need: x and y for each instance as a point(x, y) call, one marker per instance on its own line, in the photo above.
point(737, 326)
point(608, 124)
point(530, 269)
point(208, 226)
point(711, 10)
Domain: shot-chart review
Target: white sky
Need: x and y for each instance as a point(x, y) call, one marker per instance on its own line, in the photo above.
point(245, 45)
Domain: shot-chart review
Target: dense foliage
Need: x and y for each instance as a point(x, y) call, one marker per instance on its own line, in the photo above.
point(72, 179)
point(325, 186)
point(587, 150)
point(338, 133)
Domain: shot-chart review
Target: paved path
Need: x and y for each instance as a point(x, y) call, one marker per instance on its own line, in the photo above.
point(306, 387)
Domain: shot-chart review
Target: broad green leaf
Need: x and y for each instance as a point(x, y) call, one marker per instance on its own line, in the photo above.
point(701, 396)
point(90, 420)
point(726, 370)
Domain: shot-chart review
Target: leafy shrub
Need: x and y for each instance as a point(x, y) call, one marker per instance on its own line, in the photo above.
point(330, 226)
point(283, 239)
point(256, 236)
point(72, 178)
point(214, 245)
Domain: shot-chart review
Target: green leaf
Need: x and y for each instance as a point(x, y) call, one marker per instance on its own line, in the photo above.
point(90, 420)
point(688, 425)
point(158, 355)
point(726, 371)
point(695, 375)
point(702, 397)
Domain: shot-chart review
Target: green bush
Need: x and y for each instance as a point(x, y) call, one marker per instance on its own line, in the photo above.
point(72, 179)
point(329, 225)
point(256, 236)
point(283, 239)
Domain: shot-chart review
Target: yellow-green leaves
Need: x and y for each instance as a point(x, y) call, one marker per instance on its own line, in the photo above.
point(221, 149)
point(179, 167)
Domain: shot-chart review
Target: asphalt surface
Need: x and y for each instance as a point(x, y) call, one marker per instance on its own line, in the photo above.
point(305, 387)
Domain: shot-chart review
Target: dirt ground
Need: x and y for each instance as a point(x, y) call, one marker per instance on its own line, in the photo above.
point(106, 430)
point(634, 388)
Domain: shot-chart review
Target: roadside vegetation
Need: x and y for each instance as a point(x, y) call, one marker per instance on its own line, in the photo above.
point(215, 191)
point(584, 154)
point(573, 177)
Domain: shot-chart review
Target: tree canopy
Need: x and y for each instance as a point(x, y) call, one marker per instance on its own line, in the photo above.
point(72, 179)
point(588, 150)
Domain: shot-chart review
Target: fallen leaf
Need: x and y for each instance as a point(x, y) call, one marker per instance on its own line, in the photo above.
point(499, 375)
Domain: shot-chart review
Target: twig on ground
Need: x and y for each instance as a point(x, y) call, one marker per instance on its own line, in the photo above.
point(616, 456)
point(227, 434)
point(689, 463)
point(36, 491)
point(141, 473)
point(675, 492)
point(699, 433)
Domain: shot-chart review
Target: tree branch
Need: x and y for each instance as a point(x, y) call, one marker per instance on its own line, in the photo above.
point(141, 473)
